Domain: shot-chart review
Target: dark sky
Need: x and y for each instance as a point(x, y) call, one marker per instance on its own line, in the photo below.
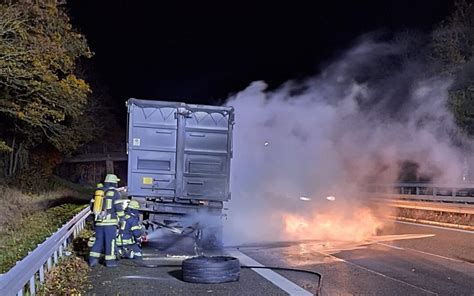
point(199, 52)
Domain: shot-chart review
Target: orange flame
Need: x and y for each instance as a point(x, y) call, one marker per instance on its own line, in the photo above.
point(357, 226)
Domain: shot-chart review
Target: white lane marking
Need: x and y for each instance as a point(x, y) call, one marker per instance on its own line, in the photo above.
point(393, 237)
point(425, 253)
point(386, 276)
point(439, 256)
point(278, 280)
point(168, 258)
point(162, 258)
point(142, 277)
point(437, 227)
point(391, 246)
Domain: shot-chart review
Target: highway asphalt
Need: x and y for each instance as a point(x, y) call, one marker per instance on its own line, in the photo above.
point(405, 259)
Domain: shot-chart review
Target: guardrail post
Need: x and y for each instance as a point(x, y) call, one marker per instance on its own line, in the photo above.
point(41, 274)
point(32, 285)
point(55, 256)
point(417, 190)
point(48, 263)
point(61, 251)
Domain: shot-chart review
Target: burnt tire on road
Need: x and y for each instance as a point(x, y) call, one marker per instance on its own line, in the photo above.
point(211, 270)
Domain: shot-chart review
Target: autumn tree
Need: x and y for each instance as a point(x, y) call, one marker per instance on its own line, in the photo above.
point(42, 100)
point(453, 52)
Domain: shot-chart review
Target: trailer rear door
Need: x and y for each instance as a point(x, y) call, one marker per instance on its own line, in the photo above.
point(179, 151)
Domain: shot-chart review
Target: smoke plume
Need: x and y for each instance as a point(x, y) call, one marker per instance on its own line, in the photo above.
point(362, 120)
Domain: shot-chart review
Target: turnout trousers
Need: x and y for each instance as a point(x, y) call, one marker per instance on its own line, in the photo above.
point(104, 244)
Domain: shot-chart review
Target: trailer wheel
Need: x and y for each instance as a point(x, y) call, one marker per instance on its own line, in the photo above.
point(210, 238)
point(211, 270)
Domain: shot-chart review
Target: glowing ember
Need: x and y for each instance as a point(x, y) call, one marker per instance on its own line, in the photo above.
point(356, 226)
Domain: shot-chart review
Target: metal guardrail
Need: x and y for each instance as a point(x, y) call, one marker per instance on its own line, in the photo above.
point(457, 198)
point(31, 269)
point(458, 193)
point(429, 185)
point(431, 198)
point(455, 208)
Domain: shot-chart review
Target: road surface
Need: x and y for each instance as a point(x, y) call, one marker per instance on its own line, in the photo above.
point(407, 259)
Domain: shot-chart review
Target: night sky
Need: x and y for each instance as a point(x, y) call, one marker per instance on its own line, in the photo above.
point(200, 52)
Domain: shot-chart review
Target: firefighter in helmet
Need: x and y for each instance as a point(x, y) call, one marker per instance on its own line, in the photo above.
point(108, 212)
point(131, 233)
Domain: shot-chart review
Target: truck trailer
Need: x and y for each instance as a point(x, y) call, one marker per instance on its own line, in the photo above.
point(179, 159)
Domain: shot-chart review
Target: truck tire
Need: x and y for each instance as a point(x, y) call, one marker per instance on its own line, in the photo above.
point(211, 270)
point(210, 238)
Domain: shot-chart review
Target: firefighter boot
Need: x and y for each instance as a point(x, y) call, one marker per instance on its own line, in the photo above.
point(136, 255)
point(93, 261)
point(111, 263)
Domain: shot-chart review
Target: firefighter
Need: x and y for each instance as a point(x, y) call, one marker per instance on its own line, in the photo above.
point(131, 233)
point(108, 212)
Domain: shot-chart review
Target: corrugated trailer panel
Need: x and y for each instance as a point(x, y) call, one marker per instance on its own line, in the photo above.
point(179, 151)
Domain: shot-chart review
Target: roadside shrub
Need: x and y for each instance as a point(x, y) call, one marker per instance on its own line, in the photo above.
point(69, 277)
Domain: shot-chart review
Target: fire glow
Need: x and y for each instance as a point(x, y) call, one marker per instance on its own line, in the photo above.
point(355, 227)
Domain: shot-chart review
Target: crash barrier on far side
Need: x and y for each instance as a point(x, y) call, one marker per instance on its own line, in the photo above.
point(442, 205)
point(30, 271)
point(397, 201)
point(454, 193)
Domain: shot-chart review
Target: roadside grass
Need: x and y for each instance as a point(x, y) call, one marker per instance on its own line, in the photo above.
point(16, 204)
point(17, 239)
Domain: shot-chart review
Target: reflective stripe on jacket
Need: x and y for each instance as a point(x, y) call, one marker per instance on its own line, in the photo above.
point(131, 230)
point(113, 207)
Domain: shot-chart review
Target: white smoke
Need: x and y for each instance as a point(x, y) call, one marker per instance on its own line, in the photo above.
point(357, 122)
